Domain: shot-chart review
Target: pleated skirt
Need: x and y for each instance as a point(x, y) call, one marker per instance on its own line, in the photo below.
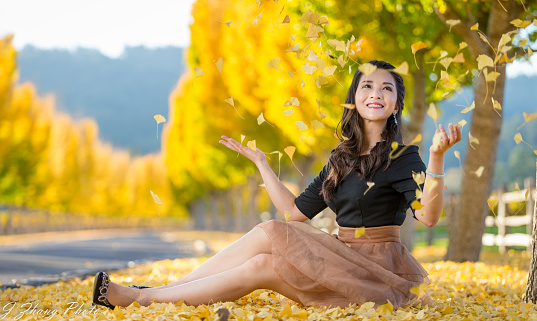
point(339, 269)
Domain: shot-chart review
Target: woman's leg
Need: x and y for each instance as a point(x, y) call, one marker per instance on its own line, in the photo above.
point(230, 285)
point(249, 245)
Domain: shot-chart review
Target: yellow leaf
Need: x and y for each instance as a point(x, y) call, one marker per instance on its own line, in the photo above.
point(322, 114)
point(312, 32)
point(230, 101)
point(316, 124)
point(535, 151)
point(286, 19)
point(492, 203)
point(467, 109)
point(288, 112)
point(198, 72)
point(118, 313)
point(430, 184)
point(419, 178)
point(523, 42)
point(385, 308)
point(419, 193)
point(416, 139)
point(321, 81)
point(159, 118)
point(369, 185)
point(530, 53)
point(367, 68)
point(274, 63)
point(452, 22)
point(359, 231)
point(418, 289)
point(417, 46)
point(479, 171)
point(458, 58)
point(461, 123)
point(349, 106)
point(219, 64)
point(520, 23)
point(329, 71)
point(472, 139)
point(504, 40)
point(295, 101)
point(447, 310)
point(462, 45)
point(310, 70)
point(287, 216)
point(496, 104)
point(395, 145)
point(492, 76)
point(156, 199)
point(437, 137)
point(484, 61)
point(446, 62)
point(402, 69)
point(294, 48)
point(290, 150)
point(341, 61)
point(286, 311)
point(301, 126)
point(432, 112)
point(475, 27)
point(518, 138)
point(457, 154)
point(251, 145)
point(528, 117)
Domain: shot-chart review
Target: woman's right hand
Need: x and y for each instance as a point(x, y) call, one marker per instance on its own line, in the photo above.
point(257, 157)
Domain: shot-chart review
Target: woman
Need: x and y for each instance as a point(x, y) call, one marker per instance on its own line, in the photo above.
point(310, 266)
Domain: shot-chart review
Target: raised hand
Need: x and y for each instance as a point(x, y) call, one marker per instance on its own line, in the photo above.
point(445, 143)
point(257, 157)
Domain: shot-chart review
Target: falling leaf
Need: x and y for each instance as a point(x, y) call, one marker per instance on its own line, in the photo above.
point(457, 154)
point(418, 289)
point(288, 112)
point(310, 70)
point(286, 19)
point(475, 27)
point(329, 71)
point(156, 199)
point(160, 119)
point(369, 185)
point(417, 46)
point(279, 160)
point(295, 101)
point(528, 117)
point(419, 178)
point(301, 126)
point(359, 231)
point(219, 64)
point(472, 139)
point(461, 123)
point(467, 109)
point(316, 124)
point(492, 202)
point(242, 138)
point(518, 138)
point(437, 137)
point(251, 145)
point(287, 216)
point(261, 119)
point(492, 76)
point(459, 58)
point(321, 81)
point(520, 23)
point(462, 45)
point(452, 22)
point(198, 72)
point(432, 112)
point(294, 48)
point(232, 103)
point(402, 69)
point(290, 150)
point(496, 105)
point(312, 32)
point(446, 62)
point(322, 114)
point(416, 205)
point(274, 63)
point(430, 184)
point(290, 74)
point(367, 68)
point(349, 106)
point(479, 171)
point(484, 61)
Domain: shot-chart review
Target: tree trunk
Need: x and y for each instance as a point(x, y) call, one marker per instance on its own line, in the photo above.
point(531, 285)
point(414, 127)
point(466, 236)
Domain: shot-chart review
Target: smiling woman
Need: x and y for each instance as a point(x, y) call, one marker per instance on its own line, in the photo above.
point(71, 24)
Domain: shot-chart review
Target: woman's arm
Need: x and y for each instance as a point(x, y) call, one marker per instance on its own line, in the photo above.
point(433, 192)
point(283, 199)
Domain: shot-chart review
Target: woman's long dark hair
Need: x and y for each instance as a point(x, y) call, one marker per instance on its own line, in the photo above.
point(345, 157)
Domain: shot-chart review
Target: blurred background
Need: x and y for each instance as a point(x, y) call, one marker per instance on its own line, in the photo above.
point(81, 82)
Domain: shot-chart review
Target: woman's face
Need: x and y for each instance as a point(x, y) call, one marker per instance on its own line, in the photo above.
point(376, 96)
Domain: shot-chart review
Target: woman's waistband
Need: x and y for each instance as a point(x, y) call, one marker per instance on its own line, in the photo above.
point(389, 233)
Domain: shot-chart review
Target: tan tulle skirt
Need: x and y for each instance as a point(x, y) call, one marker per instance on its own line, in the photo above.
point(338, 270)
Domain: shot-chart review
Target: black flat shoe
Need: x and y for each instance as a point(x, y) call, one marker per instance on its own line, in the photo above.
point(100, 290)
point(139, 286)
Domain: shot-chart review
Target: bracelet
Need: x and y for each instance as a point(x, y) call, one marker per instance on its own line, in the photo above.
point(435, 175)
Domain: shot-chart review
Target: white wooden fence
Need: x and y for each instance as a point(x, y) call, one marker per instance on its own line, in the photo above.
point(503, 221)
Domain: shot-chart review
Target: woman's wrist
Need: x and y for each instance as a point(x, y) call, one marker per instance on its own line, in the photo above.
point(435, 175)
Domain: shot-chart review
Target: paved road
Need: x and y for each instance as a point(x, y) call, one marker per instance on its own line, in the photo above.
point(42, 261)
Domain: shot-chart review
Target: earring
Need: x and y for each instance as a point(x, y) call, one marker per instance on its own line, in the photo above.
point(395, 119)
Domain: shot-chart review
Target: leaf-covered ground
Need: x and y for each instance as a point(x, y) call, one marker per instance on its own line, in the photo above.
point(488, 290)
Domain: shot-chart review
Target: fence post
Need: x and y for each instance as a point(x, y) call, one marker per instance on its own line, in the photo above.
point(501, 220)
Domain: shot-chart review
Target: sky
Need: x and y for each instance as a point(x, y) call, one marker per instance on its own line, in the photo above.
point(110, 25)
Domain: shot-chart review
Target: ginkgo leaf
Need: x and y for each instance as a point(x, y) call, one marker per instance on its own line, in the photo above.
point(479, 171)
point(496, 105)
point(437, 139)
point(261, 119)
point(294, 48)
point(458, 58)
point(457, 154)
point(329, 71)
point(418, 289)
point(430, 184)
point(446, 62)
point(504, 40)
point(523, 42)
point(402, 69)
point(286, 19)
point(518, 138)
point(156, 199)
point(432, 112)
point(359, 231)
point(492, 76)
point(528, 117)
point(475, 27)
point(316, 124)
point(260, 16)
point(520, 23)
point(274, 63)
point(492, 202)
point(295, 101)
point(462, 45)
point(310, 70)
point(461, 123)
point(160, 119)
point(322, 114)
point(287, 216)
point(419, 193)
point(219, 64)
point(290, 74)
point(251, 145)
point(198, 72)
point(484, 61)
point(467, 109)
point(242, 138)
point(312, 32)
point(416, 205)
point(232, 103)
point(255, 22)
point(301, 126)
point(472, 140)
point(452, 22)
point(288, 112)
point(341, 61)
point(367, 68)
point(416, 139)
point(417, 46)
point(321, 81)
point(290, 150)
point(349, 106)
point(369, 185)
point(419, 177)
point(279, 160)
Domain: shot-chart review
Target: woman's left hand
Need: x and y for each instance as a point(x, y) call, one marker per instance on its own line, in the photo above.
point(440, 146)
